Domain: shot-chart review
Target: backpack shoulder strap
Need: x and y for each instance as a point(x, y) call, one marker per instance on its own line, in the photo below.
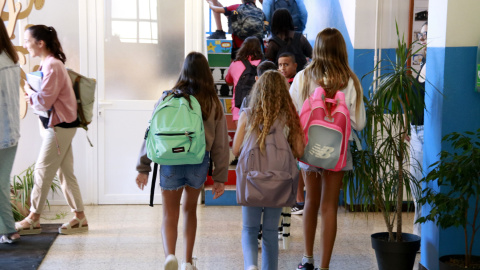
point(296, 37)
point(248, 65)
point(280, 42)
point(154, 178)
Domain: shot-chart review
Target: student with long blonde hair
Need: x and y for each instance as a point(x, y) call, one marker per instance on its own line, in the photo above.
point(270, 102)
point(330, 70)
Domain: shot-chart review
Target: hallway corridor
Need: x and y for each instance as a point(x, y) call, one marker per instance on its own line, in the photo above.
point(129, 237)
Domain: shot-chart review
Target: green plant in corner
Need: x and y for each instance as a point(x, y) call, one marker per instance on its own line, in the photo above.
point(458, 177)
point(21, 189)
point(381, 167)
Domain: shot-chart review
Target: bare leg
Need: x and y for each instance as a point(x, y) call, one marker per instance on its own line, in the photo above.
point(300, 189)
point(189, 209)
point(216, 15)
point(171, 212)
point(331, 184)
point(310, 211)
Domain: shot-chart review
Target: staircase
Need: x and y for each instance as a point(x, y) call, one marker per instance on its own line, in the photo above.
point(218, 53)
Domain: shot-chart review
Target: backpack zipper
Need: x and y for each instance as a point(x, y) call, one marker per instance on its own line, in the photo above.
point(186, 133)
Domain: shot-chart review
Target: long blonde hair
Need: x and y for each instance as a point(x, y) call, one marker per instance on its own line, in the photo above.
point(329, 67)
point(270, 100)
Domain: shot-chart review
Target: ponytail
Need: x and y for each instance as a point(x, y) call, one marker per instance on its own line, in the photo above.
point(49, 35)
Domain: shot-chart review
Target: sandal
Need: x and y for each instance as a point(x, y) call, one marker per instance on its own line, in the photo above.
point(33, 229)
point(7, 238)
point(67, 228)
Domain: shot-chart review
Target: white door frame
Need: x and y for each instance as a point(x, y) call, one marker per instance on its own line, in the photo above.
point(91, 31)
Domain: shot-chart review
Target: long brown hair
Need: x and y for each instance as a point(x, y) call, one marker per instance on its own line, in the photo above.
point(329, 67)
point(251, 47)
point(270, 100)
point(49, 35)
point(6, 44)
point(196, 79)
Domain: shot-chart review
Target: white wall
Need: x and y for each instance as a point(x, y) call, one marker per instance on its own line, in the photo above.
point(365, 20)
point(458, 30)
point(63, 16)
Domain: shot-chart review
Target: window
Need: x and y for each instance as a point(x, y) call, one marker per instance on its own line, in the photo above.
point(134, 21)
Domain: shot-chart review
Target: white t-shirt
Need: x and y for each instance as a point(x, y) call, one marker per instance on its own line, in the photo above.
point(350, 99)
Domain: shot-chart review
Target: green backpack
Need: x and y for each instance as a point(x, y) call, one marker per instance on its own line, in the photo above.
point(176, 135)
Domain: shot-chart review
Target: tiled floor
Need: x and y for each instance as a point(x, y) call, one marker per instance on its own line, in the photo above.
point(128, 237)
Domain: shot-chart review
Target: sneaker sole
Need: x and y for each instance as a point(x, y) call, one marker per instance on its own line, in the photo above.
point(299, 212)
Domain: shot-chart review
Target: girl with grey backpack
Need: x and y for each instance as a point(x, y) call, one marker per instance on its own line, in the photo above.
point(268, 139)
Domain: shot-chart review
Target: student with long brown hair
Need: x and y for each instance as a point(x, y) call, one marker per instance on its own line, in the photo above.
point(330, 70)
point(195, 79)
point(251, 53)
point(57, 99)
point(9, 131)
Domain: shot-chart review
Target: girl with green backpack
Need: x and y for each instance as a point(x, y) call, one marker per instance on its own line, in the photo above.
point(194, 83)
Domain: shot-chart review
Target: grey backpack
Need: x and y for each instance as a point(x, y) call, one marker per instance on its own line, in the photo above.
point(269, 179)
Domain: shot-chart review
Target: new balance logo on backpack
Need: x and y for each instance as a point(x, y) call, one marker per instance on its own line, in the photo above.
point(247, 21)
point(326, 131)
point(176, 135)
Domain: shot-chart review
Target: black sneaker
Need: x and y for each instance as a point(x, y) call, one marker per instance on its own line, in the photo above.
point(234, 162)
point(306, 266)
point(297, 209)
point(219, 34)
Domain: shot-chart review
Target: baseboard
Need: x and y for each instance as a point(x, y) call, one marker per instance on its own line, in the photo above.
point(406, 207)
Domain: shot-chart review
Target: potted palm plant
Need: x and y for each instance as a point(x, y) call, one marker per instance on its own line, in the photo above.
point(20, 190)
point(457, 175)
point(381, 167)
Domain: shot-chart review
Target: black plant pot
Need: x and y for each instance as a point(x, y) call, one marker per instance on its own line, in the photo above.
point(393, 255)
point(443, 265)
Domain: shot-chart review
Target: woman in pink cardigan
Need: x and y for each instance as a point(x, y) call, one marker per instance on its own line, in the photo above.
point(57, 99)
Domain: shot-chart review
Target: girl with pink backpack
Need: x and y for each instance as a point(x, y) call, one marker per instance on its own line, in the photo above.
point(329, 70)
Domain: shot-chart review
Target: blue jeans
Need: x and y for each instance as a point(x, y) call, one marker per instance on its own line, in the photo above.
point(174, 177)
point(252, 217)
point(7, 156)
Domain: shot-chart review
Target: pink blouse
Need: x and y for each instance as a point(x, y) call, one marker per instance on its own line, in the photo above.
point(56, 94)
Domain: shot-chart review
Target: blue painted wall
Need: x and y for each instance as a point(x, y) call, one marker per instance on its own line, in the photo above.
point(452, 105)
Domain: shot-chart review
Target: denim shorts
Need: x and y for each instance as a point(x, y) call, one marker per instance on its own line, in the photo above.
point(348, 166)
point(174, 177)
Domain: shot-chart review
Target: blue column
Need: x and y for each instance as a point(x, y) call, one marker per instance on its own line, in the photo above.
point(452, 104)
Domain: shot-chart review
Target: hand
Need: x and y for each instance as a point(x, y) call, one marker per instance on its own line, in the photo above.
point(218, 189)
point(28, 90)
point(407, 138)
point(27, 99)
point(142, 180)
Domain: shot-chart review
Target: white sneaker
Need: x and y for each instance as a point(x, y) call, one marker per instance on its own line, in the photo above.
point(252, 267)
point(171, 263)
point(188, 266)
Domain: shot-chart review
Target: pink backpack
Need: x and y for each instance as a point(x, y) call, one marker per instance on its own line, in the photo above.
point(326, 137)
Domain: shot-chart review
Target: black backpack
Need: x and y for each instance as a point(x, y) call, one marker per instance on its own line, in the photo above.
point(245, 83)
point(292, 46)
point(247, 20)
point(292, 7)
